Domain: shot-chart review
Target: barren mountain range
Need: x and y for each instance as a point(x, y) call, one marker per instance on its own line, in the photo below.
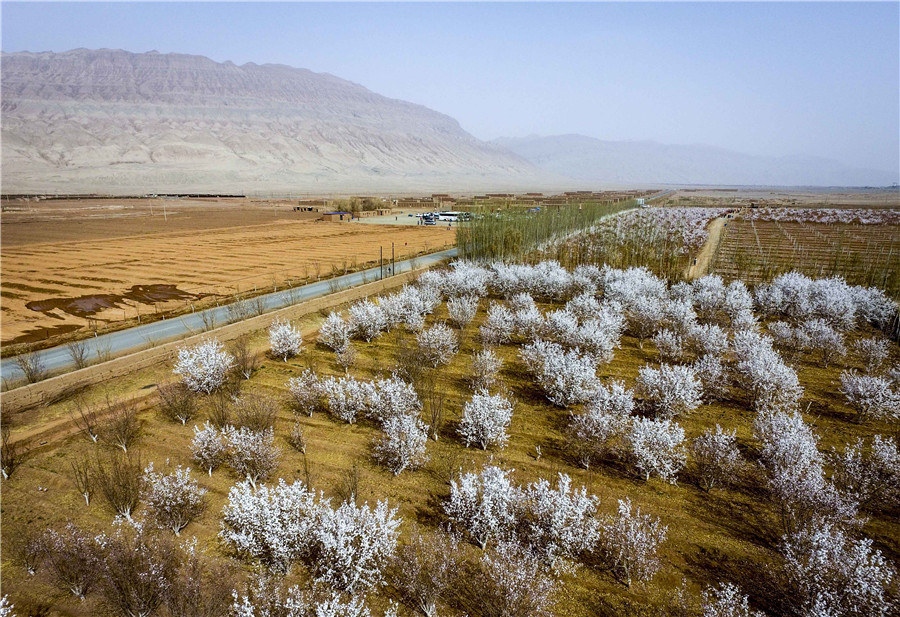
point(111, 121)
point(118, 122)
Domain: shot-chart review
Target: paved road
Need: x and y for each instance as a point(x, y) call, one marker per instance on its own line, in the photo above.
point(58, 359)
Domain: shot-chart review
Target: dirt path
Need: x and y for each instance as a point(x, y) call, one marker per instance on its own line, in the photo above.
point(700, 266)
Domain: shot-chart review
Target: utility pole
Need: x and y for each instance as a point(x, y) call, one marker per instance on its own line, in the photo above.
point(381, 261)
point(393, 262)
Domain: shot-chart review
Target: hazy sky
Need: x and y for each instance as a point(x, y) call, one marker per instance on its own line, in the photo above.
point(773, 78)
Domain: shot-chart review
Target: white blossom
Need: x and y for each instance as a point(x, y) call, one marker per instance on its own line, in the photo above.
point(346, 397)
point(669, 345)
point(824, 339)
point(466, 278)
point(794, 472)
point(520, 302)
point(402, 445)
point(870, 397)
point(529, 321)
point(438, 344)
point(713, 375)
point(275, 526)
point(462, 309)
point(392, 397)
point(770, 383)
point(656, 448)
point(717, 458)
point(583, 306)
point(680, 316)
point(269, 597)
point(173, 500)
point(707, 339)
point(709, 296)
point(498, 326)
point(628, 543)
point(645, 316)
point(252, 454)
point(483, 505)
point(485, 367)
point(873, 352)
point(558, 524)
point(204, 367)
point(284, 339)
point(209, 447)
point(738, 304)
point(606, 416)
point(367, 319)
point(513, 581)
point(306, 392)
point(586, 278)
point(485, 419)
point(335, 332)
point(353, 546)
point(872, 477)
point(562, 327)
point(834, 574)
point(550, 280)
point(567, 377)
point(669, 390)
point(726, 600)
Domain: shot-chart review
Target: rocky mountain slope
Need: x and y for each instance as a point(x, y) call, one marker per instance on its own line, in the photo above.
point(625, 162)
point(117, 122)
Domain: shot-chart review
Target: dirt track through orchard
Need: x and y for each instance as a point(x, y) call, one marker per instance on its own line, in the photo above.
point(708, 250)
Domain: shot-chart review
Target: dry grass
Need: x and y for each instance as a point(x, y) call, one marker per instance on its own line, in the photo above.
point(725, 535)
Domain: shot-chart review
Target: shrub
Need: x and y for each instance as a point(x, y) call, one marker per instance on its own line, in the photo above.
point(335, 332)
point(716, 457)
point(402, 445)
point(482, 505)
point(173, 500)
point(462, 309)
point(251, 454)
point(870, 397)
point(485, 419)
point(833, 574)
point(628, 543)
point(438, 344)
point(204, 367)
point(285, 340)
point(177, 402)
point(655, 448)
point(209, 447)
point(669, 391)
point(485, 367)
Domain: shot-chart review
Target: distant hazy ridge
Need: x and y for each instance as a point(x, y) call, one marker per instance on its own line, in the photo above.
point(623, 162)
point(114, 121)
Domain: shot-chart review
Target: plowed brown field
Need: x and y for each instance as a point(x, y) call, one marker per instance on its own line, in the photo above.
point(52, 288)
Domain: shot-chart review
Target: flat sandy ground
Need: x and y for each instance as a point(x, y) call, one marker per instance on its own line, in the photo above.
point(802, 198)
point(65, 264)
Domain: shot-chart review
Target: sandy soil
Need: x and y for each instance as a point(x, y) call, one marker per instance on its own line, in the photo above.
point(804, 198)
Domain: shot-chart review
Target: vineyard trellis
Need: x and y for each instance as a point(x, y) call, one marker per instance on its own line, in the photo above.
point(760, 249)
